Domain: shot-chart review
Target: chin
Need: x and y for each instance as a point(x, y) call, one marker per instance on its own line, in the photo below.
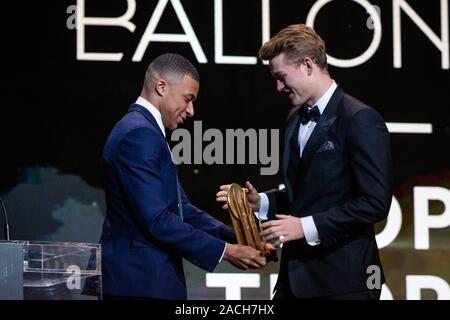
point(294, 100)
point(298, 102)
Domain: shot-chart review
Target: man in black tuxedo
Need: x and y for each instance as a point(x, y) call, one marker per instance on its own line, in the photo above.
point(337, 174)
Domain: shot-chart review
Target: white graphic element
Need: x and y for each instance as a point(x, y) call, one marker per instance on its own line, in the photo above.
point(188, 36)
point(232, 282)
point(272, 282)
point(392, 227)
point(265, 23)
point(415, 283)
point(423, 221)
point(349, 63)
point(386, 294)
point(82, 21)
point(441, 43)
point(218, 40)
point(405, 127)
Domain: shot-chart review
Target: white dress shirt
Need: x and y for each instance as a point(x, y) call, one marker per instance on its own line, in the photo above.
point(157, 115)
point(305, 131)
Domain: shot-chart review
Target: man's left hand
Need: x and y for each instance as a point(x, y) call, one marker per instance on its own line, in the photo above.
point(285, 228)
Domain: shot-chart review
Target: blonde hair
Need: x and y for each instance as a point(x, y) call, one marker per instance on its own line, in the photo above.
point(297, 42)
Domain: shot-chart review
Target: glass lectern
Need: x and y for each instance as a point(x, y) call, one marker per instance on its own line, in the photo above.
point(32, 270)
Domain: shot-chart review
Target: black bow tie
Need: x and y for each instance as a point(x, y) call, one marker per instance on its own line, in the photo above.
point(309, 114)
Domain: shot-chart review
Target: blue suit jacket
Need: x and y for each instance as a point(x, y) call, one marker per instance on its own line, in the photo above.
point(144, 239)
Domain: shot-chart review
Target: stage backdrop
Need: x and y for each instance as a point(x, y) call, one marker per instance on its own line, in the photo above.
point(74, 67)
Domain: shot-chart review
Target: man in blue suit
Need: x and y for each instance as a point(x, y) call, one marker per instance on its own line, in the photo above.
point(337, 176)
point(150, 225)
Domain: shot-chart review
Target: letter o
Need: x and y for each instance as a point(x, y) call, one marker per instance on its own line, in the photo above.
point(348, 63)
point(393, 225)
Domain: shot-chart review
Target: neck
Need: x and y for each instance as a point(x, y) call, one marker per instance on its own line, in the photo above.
point(324, 82)
point(151, 98)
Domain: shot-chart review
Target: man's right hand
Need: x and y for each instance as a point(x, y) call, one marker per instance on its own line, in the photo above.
point(254, 199)
point(244, 257)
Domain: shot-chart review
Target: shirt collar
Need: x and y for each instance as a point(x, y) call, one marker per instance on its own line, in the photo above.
point(325, 98)
point(155, 112)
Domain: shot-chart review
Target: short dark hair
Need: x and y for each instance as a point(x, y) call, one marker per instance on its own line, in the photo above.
point(297, 42)
point(171, 63)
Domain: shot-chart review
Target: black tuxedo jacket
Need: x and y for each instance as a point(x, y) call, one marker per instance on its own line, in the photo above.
point(343, 180)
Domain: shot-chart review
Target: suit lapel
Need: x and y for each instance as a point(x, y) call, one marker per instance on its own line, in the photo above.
point(287, 153)
point(147, 115)
point(320, 132)
point(287, 137)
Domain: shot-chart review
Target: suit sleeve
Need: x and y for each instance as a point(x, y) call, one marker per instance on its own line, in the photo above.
point(368, 145)
point(278, 202)
point(138, 168)
point(203, 221)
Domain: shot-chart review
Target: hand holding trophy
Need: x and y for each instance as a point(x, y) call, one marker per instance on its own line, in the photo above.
point(244, 224)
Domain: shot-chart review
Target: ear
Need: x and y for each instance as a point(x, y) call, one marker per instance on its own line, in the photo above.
point(309, 65)
point(161, 87)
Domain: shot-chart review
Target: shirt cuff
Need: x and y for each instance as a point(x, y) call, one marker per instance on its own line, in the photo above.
point(224, 248)
point(310, 231)
point(263, 207)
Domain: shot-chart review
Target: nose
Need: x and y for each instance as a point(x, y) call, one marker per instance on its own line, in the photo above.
point(190, 109)
point(280, 85)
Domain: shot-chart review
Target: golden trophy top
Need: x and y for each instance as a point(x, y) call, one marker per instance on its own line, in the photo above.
point(246, 228)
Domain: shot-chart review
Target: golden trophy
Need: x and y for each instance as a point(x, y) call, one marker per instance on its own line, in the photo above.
point(244, 224)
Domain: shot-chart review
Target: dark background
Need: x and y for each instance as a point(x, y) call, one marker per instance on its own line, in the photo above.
point(57, 111)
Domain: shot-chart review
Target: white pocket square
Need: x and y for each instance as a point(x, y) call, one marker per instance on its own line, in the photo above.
point(326, 146)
